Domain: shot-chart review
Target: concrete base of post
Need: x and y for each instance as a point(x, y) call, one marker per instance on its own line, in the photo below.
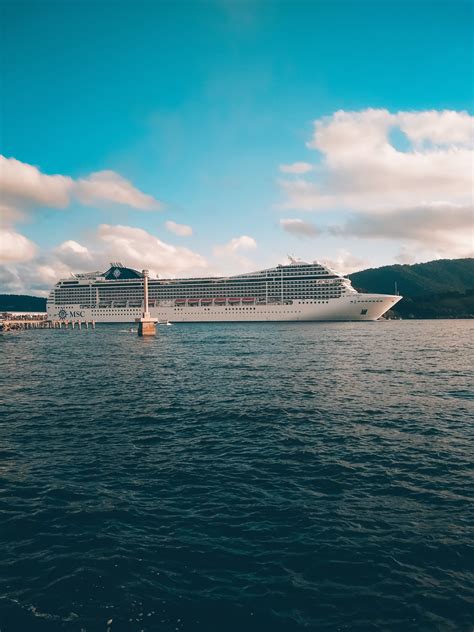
point(146, 328)
point(146, 325)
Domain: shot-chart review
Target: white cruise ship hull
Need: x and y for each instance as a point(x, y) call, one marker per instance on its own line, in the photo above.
point(354, 307)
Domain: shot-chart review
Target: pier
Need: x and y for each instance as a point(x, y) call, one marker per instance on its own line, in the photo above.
point(9, 322)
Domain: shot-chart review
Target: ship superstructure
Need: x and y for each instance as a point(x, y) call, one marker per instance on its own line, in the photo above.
point(297, 291)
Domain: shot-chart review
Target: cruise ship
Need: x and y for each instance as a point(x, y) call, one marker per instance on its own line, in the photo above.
point(297, 291)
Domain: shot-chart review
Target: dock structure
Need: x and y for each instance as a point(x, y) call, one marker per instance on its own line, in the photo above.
point(59, 324)
point(146, 324)
point(11, 323)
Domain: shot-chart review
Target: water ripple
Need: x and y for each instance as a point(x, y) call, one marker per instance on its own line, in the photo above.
point(238, 477)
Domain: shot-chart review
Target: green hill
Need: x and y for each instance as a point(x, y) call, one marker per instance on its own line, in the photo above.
point(437, 289)
point(21, 303)
point(441, 305)
point(420, 279)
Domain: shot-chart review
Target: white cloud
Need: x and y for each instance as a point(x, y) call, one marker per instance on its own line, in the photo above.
point(10, 280)
point(34, 277)
point(232, 256)
point(15, 248)
point(110, 187)
point(406, 256)
point(439, 128)
point(9, 215)
point(422, 193)
point(361, 169)
point(299, 227)
point(297, 168)
point(23, 184)
point(138, 248)
point(73, 254)
point(235, 245)
point(73, 246)
point(445, 228)
point(179, 229)
point(346, 263)
point(135, 247)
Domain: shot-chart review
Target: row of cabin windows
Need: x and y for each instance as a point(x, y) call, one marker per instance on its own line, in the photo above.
point(116, 303)
point(180, 309)
point(207, 287)
point(207, 290)
point(307, 298)
point(214, 292)
point(119, 296)
point(230, 285)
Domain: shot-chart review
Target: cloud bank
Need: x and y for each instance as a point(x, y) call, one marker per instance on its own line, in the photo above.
point(110, 188)
point(235, 245)
point(406, 175)
point(24, 186)
point(15, 248)
point(38, 271)
point(299, 227)
point(232, 256)
point(139, 248)
point(182, 230)
point(297, 168)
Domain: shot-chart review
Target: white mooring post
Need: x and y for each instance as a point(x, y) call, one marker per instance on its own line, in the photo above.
point(146, 324)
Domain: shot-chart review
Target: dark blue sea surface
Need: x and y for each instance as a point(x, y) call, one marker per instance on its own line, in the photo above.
point(238, 477)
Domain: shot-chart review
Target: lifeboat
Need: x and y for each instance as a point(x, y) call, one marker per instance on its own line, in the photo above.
point(193, 300)
point(220, 300)
point(248, 300)
point(180, 301)
point(206, 301)
point(234, 300)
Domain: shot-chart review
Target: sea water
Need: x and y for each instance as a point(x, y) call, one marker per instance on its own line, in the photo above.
point(237, 477)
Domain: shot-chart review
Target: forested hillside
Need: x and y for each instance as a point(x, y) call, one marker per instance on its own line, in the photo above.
point(438, 289)
point(21, 303)
point(419, 279)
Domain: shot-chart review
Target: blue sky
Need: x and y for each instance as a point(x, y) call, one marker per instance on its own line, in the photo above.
point(198, 104)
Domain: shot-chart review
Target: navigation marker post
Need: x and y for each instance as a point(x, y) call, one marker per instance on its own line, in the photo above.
point(146, 324)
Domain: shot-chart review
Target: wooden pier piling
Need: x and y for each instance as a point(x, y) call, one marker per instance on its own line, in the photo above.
point(9, 322)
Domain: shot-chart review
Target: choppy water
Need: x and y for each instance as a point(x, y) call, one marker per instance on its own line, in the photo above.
point(233, 477)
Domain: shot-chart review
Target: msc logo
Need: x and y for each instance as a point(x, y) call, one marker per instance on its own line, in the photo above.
point(116, 273)
point(63, 314)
